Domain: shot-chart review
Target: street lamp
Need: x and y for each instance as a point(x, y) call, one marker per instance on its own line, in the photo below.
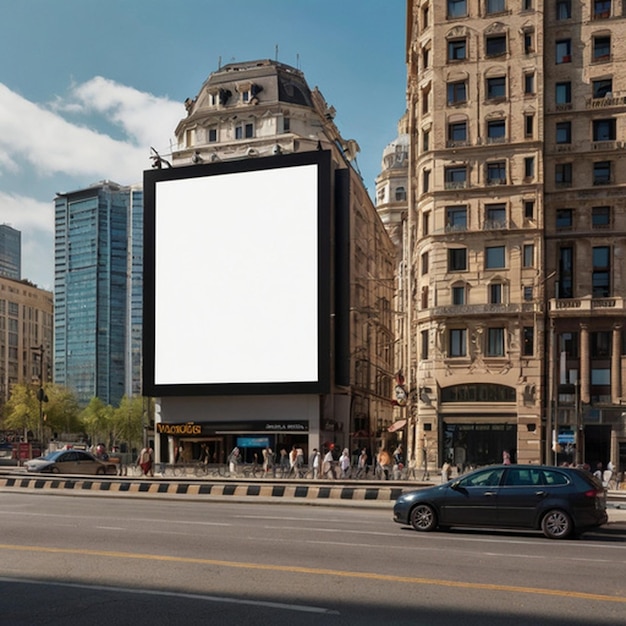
point(41, 395)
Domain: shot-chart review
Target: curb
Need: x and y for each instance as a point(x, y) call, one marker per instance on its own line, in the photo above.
point(208, 490)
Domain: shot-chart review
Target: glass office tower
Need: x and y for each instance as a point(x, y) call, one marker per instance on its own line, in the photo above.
point(10, 252)
point(97, 258)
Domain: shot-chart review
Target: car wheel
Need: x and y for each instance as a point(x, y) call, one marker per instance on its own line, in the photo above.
point(424, 518)
point(54, 470)
point(557, 524)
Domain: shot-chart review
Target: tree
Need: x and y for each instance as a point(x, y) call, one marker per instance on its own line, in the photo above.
point(97, 420)
point(128, 421)
point(60, 410)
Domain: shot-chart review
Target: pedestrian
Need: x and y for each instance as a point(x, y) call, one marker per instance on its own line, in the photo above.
point(234, 458)
point(506, 458)
point(268, 461)
point(361, 470)
point(299, 464)
point(384, 464)
point(314, 463)
point(284, 463)
point(398, 463)
point(446, 471)
point(344, 463)
point(145, 461)
point(328, 465)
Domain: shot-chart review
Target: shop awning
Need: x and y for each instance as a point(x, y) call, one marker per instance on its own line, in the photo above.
point(396, 426)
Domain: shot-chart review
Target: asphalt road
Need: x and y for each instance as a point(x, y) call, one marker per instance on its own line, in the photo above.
point(71, 560)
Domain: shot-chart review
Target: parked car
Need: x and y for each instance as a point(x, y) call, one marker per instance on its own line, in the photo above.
point(560, 501)
point(70, 462)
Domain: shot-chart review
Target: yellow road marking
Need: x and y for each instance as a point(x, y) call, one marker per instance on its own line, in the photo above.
point(413, 580)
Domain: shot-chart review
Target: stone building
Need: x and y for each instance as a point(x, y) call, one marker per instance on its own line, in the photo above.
point(517, 229)
point(258, 109)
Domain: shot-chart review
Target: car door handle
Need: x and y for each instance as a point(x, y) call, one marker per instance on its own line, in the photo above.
point(489, 493)
point(541, 494)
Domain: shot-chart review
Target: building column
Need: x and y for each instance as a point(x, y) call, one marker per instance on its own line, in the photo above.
point(616, 377)
point(585, 378)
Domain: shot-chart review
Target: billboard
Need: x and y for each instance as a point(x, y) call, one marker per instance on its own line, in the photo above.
point(237, 277)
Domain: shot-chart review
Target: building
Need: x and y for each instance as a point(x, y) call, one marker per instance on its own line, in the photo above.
point(261, 110)
point(518, 228)
point(25, 335)
point(98, 287)
point(10, 252)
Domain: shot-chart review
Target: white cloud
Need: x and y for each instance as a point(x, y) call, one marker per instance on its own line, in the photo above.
point(138, 113)
point(52, 145)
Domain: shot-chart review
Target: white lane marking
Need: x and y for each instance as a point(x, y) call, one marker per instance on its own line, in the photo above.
point(171, 594)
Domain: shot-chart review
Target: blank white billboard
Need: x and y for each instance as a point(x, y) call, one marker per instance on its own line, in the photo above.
point(236, 290)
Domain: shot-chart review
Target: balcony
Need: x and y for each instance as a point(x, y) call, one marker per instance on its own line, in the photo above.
point(568, 307)
point(494, 225)
point(604, 145)
point(496, 181)
point(609, 100)
point(455, 184)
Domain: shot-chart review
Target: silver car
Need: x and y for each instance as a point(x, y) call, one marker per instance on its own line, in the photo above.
point(70, 462)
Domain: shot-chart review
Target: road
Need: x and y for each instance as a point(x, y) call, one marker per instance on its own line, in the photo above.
point(74, 560)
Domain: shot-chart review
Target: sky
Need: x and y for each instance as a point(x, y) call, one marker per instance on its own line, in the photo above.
point(88, 86)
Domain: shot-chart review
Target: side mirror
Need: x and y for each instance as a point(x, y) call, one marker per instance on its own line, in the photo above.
point(455, 485)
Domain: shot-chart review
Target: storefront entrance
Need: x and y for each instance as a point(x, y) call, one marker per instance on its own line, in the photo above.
point(474, 445)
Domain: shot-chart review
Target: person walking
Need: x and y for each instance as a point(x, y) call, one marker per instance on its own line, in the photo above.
point(314, 463)
point(299, 464)
point(328, 465)
point(284, 463)
point(344, 463)
point(234, 458)
point(361, 470)
point(145, 460)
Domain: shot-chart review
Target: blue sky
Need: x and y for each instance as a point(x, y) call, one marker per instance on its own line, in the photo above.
point(87, 86)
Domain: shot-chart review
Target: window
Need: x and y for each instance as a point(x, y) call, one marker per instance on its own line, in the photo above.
point(563, 174)
point(495, 216)
point(604, 130)
point(529, 125)
point(600, 279)
point(564, 51)
point(563, 9)
point(528, 255)
point(211, 135)
point(563, 93)
point(400, 194)
point(495, 342)
point(457, 259)
point(602, 88)
point(528, 5)
point(457, 132)
point(286, 124)
point(601, 9)
point(529, 82)
point(496, 87)
point(426, 141)
point(425, 181)
point(528, 293)
point(496, 6)
point(602, 173)
point(457, 49)
point(495, 45)
point(601, 48)
point(566, 272)
point(495, 293)
point(455, 177)
point(496, 173)
point(458, 295)
point(494, 257)
point(458, 340)
point(457, 92)
point(457, 8)
point(564, 132)
point(425, 263)
point(529, 39)
point(425, 17)
point(601, 216)
point(244, 131)
point(529, 167)
point(529, 209)
point(426, 57)
point(564, 218)
point(528, 341)
point(456, 218)
point(425, 223)
point(424, 345)
point(600, 344)
point(496, 130)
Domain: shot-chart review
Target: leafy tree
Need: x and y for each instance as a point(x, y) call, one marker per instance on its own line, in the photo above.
point(128, 422)
point(59, 410)
point(96, 418)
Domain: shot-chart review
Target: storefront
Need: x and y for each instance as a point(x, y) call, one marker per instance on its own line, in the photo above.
point(213, 441)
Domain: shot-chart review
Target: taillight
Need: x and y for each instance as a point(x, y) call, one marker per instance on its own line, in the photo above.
point(592, 493)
